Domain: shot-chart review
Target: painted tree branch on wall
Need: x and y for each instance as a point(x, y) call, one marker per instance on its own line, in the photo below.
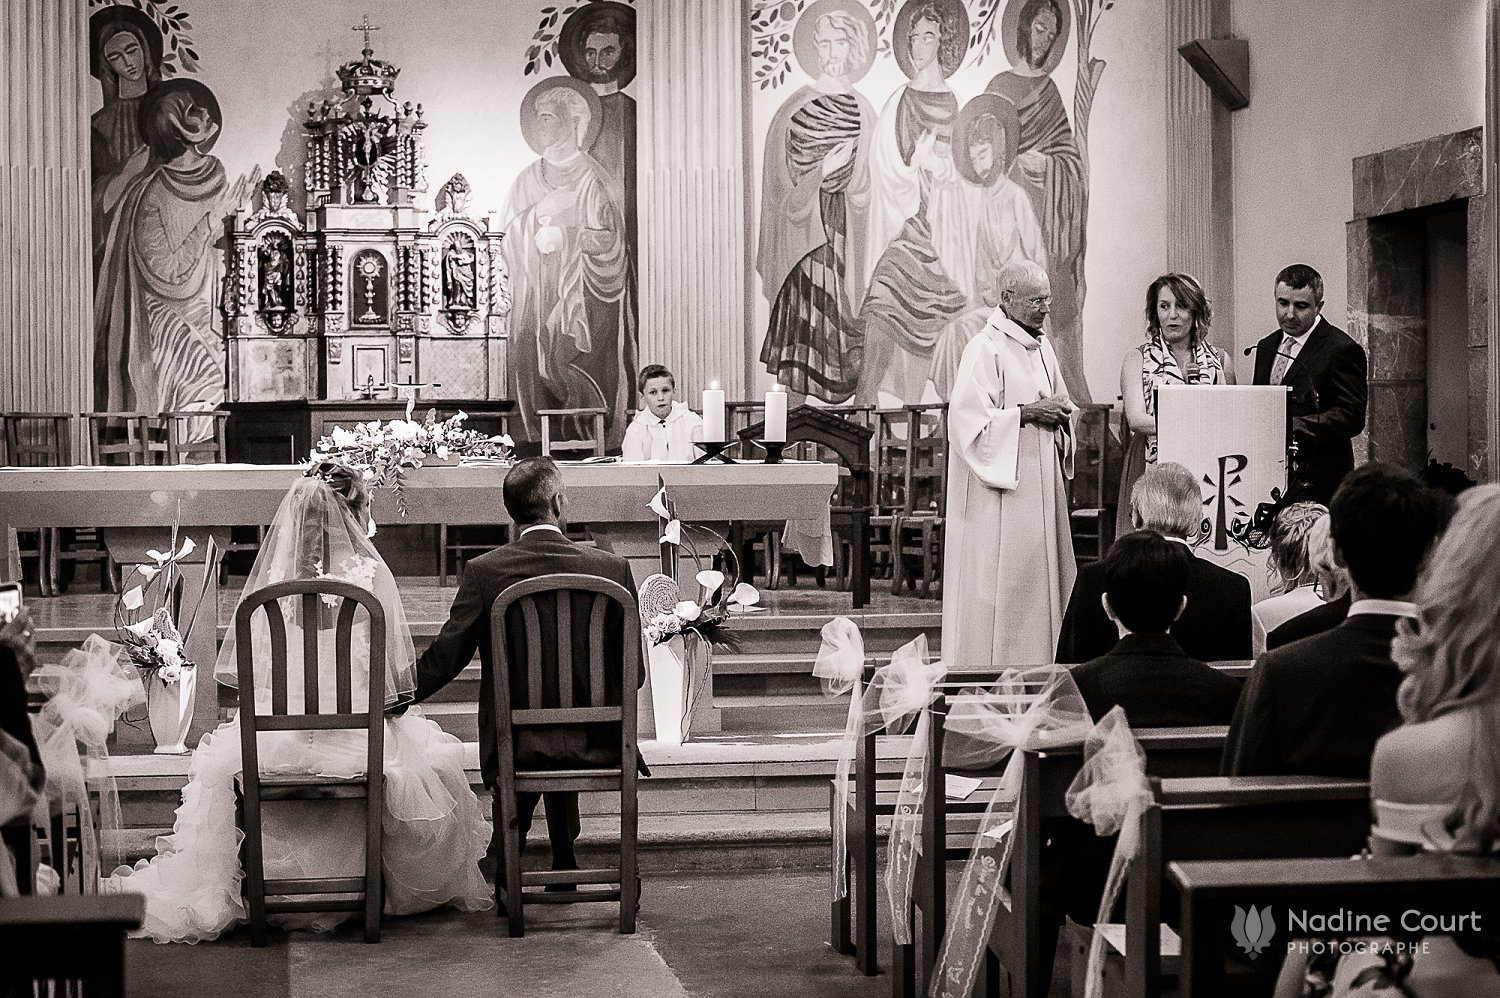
point(542, 52)
point(1086, 14)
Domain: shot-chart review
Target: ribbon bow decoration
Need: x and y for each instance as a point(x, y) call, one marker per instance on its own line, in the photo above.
point(87, 693)
point(1030, 708)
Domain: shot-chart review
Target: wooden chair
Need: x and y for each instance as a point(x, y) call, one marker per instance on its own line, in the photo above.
point(370, 716)
point(123, 439)
point(1225, 818)
point(185, 442)
point(1209, 890)
point(45, 440)
point(566, 681)
point(917, 533)
point(586, 437)
point(68, 944)
point(1095, 458)
point(462, 542)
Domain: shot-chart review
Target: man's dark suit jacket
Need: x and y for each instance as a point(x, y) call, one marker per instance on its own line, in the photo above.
point(1327, 405)
point(1157, 683)
point(1214, 627)
point(1317, 706)
point(540, 552)
point(1309, 622)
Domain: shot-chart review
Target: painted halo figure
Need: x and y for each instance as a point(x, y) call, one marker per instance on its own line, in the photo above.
point(573, 315)
point(1049, 164)
point(919, 247)
point(814, 203)
point(1003, 226)
point(156, 344)
point(125, 53)
point(597, 45)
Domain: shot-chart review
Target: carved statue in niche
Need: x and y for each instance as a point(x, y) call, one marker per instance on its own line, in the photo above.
point(456, 195)
point(460, 274)
point(369, 296)
point(275, 260)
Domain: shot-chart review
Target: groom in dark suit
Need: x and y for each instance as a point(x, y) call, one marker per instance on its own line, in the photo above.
point(1326, 371)
point(1317, 706)
point(533, 496)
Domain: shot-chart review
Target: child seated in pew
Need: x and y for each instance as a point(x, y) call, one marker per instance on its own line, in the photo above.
point(665, 429)
point(1147, 672)
point(1435, 779)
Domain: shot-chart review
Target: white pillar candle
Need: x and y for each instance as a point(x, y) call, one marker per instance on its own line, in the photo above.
point(713, 415)
point(776, 415)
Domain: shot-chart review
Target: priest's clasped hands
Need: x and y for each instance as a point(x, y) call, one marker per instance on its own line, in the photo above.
point(1050, 412)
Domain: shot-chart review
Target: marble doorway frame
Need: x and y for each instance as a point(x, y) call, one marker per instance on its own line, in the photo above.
point(1387, 291)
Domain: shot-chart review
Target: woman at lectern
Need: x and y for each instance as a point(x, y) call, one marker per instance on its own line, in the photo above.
point(1176, 352)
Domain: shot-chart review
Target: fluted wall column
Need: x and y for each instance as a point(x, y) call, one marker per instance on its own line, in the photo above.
point(692, 191)
point(46, 296)
point(1199, 165)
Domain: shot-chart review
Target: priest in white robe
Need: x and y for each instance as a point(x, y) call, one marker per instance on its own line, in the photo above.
point(1008, 552)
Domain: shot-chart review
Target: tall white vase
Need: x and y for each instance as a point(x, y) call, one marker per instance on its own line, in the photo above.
point(680, 675)
point(169, 706)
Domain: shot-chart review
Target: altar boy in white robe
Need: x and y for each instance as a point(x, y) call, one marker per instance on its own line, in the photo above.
point(1008, 555)
point(665, 429)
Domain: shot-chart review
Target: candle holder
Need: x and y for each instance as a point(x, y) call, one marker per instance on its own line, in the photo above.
point(713, 450)
point(773, 449)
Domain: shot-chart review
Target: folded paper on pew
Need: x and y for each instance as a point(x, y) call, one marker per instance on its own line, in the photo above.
point(1034, 708)
point(1111, 793)
point(86, 694)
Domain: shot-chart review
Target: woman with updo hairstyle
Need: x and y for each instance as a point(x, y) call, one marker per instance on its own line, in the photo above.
point(1177, 351)
point(1292, 569)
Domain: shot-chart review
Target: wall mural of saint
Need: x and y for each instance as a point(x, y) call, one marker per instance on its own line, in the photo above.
point(157, 346)
point(1049, 165)
point(567, 252)
point(125, 54)
point(881, 237)
point(815, 189)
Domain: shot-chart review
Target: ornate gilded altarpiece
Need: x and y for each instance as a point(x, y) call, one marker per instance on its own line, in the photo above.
point(369, 289)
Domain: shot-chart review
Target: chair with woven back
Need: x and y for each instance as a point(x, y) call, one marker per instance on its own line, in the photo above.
point(556, 674)
point(257, 788)
point(568, 433)
point(917, 535)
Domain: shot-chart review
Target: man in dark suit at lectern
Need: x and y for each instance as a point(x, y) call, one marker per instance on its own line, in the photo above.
point(1325, 370)
point(533, 496)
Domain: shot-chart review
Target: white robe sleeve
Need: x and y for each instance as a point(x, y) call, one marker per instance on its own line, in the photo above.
point(637, 443)
point(984, 431)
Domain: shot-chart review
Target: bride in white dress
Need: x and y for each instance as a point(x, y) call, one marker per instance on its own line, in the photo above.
point(434, 834)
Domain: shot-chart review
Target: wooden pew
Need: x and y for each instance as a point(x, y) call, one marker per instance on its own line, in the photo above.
point(67, 938)
point(1169, 751)
point(1014, 946)
point(1226, 818)
point(1433, 884)
point(853, 917)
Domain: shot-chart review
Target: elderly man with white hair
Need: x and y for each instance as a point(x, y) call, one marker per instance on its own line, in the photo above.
point(1008, 561)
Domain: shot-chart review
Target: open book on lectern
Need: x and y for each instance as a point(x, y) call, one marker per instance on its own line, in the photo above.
point(1233, 438)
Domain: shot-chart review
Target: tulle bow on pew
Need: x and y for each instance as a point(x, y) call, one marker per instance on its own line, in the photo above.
point(896, 693)
point(86, 694)
point(1111, 793)
point(1033, 708)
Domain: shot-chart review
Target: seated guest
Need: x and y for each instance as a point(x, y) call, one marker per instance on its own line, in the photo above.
point(1147, 672)
point(1290, 567)
point(1215, 626)
point(1435, 780)
point(1317, 706)
point(533, 496)
point(665, 429)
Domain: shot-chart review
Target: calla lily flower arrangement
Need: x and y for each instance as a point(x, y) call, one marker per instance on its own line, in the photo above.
point(382, 454)
point(719, 594)
point(153, 640)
